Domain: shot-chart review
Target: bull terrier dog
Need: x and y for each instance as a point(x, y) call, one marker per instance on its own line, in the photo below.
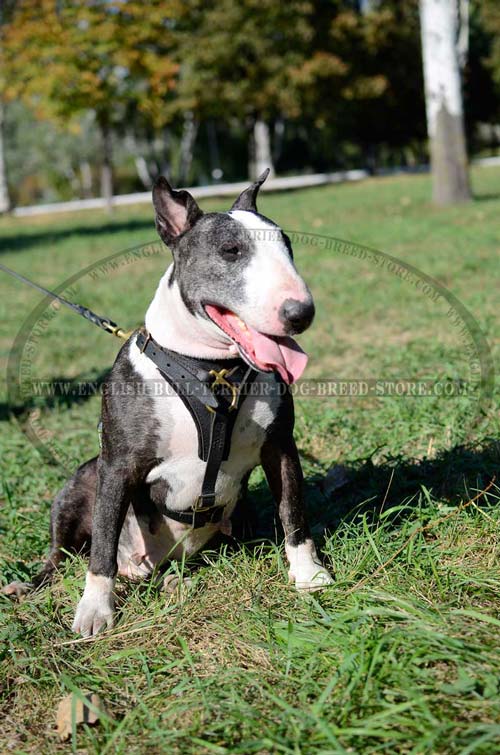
point(210, 401)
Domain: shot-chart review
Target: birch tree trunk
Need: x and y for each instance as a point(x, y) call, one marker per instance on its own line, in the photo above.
point(4, 189)
point(5, 9)
point(443, 99)
point(137, 149)
point(188, 140)
point(107, 166)
point(261, 156)
point(86, 178)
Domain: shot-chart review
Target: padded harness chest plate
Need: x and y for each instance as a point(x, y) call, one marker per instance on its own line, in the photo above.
point(213, 392)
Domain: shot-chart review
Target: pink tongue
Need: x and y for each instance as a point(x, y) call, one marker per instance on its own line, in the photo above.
point(281, 354)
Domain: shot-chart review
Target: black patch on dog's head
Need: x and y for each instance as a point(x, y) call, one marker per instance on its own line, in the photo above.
point(210, 262)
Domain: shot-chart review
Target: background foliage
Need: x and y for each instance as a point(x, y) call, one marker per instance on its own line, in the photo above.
point(178, 88)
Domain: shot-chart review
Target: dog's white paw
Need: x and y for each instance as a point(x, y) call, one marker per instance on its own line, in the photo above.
point(91, 617)
point(96, 609)
point(305, 567)
point(314, 578)
point(16, 589)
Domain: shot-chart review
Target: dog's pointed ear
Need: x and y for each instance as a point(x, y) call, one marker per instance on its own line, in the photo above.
point(248, 198)
point(176, 211)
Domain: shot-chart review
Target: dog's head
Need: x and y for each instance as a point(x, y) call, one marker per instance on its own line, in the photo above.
point(235, 272)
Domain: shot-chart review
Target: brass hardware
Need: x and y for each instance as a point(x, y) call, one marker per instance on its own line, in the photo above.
point(115, 330)
point(124, 334)
point(146, 341)
point(220, 379)
point(198, 509)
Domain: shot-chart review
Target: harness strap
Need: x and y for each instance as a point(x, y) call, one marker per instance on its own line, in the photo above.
point(180, 372)
point(218, 434)
point(213, 400)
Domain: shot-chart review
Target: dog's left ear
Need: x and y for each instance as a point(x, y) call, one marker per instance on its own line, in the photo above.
point(176, 211)
point(248, 198)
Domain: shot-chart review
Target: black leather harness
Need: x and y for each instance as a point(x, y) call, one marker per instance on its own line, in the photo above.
point(213, 392)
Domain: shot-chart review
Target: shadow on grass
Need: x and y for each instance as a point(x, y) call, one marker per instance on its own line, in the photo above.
point(490, 197)
point(57, 392)
point(396, 487)
point(22, 241)
point(452, 477)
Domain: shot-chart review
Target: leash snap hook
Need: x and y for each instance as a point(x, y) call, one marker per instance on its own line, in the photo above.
point(111, 327)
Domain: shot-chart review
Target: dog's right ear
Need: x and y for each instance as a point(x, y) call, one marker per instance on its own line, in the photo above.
point(248, 198)
point(176, 211)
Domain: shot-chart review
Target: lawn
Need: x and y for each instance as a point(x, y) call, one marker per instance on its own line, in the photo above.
point(401, 654)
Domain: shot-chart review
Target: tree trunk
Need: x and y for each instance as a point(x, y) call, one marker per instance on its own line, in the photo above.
point(213, 151)
point(443, 99)
point(4, 189)
point(141, 165)
point(162, 153)
point(278, 139)
point(86, 179)
point(107, 167)
point(260, 156)
point(143, 173)
point(188, 139)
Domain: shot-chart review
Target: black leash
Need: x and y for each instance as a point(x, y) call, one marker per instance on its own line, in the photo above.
point(102, 322)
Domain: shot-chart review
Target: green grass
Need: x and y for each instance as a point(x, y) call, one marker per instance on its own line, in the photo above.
point(401, 654)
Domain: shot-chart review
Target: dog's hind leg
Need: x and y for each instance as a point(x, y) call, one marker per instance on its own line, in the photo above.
point(70, 526)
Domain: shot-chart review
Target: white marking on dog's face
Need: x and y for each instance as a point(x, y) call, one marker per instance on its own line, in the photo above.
point(306, 569)
point(95, 611)
point(172, 325)
point(270, 277)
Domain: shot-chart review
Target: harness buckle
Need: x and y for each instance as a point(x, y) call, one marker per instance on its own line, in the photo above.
point(220, 379)
point(146, 341)
point(197, 508)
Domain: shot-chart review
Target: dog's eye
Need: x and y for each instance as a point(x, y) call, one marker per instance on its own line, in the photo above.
point(230, 252)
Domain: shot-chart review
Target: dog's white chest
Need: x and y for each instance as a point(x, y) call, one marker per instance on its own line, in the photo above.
point(177, 439)
point(182, 470)
point(177, 446)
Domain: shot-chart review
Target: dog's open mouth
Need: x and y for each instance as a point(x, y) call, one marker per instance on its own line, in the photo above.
point(263, 352)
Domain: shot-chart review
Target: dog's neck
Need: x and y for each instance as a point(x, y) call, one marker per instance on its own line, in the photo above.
point(173, 326)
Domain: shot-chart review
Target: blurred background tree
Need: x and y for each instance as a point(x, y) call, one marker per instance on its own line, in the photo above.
point(485, 55)
point(6, 11)
point(110, 59)
point(102, 95)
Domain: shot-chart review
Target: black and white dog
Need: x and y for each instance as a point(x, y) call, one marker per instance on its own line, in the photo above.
point(232, 295)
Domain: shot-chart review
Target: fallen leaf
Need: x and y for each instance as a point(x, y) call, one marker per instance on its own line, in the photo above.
point(80, 708)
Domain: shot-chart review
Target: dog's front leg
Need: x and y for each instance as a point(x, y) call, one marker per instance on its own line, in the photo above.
point(95, 611)
point(281, 464)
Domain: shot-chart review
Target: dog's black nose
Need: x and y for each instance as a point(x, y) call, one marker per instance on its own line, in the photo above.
point(296, 315)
